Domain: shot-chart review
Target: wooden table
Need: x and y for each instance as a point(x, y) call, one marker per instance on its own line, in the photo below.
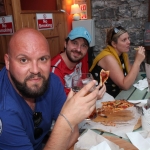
point(121, 143)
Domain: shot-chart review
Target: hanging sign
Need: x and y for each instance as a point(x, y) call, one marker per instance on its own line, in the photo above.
point(6, 25)
point(83, 8)
point(44, 21)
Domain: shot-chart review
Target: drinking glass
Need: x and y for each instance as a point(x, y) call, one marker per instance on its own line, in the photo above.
point(78, 82)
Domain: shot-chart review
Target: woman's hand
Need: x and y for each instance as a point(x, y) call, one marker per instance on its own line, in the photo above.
point(140, 55)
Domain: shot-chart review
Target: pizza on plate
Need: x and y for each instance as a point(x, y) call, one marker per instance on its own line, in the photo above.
point(114, 106)
point(109, 115)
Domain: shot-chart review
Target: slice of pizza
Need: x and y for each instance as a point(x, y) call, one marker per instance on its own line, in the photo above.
point(103, 77)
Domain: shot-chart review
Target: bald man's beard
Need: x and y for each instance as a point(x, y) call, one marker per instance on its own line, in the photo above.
point(28, 92)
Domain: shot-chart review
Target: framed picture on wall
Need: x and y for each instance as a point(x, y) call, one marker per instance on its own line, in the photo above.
point(85, 6)
point(2, 8)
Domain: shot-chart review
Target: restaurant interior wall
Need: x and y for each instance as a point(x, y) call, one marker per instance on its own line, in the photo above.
point(24, 17)
point(27, 18)
point(38, 4)
point(107, 13)
point(132, 15)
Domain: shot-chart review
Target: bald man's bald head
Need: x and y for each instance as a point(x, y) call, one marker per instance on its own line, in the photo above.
point(26, 35)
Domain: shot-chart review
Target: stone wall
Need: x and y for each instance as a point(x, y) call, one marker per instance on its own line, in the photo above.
point(130, 14)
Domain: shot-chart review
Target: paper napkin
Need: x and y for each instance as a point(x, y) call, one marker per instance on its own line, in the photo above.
point(141, 84)
point(139, 141)
point(102, 146)
point(93, 141)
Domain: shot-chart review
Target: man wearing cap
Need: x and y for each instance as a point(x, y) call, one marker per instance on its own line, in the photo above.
point(68, 63)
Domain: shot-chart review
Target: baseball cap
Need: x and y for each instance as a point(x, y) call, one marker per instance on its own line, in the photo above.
point(79, 32)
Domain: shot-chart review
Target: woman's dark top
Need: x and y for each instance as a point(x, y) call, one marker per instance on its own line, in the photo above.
point(111, 87)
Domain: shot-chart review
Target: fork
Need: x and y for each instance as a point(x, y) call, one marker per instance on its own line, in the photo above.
point(134, 103)
point(139, 109)
point(148, 103)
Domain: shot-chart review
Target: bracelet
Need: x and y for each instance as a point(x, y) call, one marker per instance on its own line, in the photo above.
point(72, 129)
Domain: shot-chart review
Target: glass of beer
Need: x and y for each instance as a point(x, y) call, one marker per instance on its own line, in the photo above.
point(78, 82)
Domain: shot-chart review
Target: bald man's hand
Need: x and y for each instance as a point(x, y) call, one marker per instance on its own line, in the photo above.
point(80, 105)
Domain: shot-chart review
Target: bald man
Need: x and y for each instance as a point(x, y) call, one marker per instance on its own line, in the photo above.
point(32, 97)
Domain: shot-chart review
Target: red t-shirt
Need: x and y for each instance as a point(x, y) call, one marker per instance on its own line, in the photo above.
point(65, 74)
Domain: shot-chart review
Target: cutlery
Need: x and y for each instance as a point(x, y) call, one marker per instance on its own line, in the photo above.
point(139, 109)
point(148, 103)
point(134, 103)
